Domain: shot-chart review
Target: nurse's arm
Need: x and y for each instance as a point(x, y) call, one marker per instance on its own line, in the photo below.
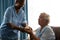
point(15, 27)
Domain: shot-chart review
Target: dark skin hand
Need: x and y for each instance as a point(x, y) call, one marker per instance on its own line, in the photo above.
point(11, 25)
point(15, 27)
point(27, 30)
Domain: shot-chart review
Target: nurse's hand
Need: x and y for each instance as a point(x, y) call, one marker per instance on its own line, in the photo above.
point(8, 24)
point(28, 30)
point(11, 25)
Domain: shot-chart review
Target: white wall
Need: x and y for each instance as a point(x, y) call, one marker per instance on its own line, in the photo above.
point(35, 7)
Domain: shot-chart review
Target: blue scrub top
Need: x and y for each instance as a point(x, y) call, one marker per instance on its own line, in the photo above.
point(11, 16)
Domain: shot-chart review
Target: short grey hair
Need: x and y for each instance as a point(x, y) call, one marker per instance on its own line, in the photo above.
point(46, 16)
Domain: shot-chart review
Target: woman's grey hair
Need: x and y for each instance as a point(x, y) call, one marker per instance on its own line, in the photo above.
point(46, 16)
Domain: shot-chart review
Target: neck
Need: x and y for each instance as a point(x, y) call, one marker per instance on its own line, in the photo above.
point(17, 9)
point(42, 26)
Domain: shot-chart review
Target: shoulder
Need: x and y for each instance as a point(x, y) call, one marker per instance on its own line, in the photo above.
point(22, 10)
point(10, 8)
point(48, 28)
point(48, 31)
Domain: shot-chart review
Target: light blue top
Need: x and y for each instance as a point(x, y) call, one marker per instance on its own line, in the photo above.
point(11, 16)
point(46, 33)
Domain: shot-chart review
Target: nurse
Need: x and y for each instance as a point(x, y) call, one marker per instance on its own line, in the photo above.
point(13, 15)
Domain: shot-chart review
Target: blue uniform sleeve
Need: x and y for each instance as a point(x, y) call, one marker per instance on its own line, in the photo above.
point(6, 17)
point(25, 35)
point(24, 17)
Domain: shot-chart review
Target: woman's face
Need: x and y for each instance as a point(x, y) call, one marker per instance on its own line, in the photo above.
point(41, 20)
point(19, 3)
